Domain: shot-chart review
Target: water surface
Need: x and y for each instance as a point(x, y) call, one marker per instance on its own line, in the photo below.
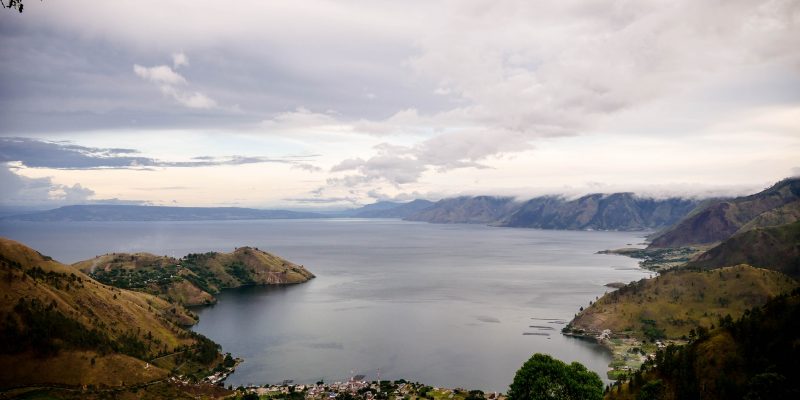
point(447, 305)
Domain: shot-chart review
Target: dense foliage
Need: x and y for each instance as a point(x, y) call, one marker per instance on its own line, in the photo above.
point(755, 357)
point(543, 377)
point(45, 331)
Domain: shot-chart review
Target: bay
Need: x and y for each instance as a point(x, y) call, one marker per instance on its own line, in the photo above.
point(447, 305)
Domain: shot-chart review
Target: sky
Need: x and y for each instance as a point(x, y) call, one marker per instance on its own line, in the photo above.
point(322, 104)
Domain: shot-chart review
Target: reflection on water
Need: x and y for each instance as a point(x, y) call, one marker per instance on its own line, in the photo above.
point(448, 305)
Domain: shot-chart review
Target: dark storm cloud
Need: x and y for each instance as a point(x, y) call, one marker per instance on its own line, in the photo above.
point(60, 155)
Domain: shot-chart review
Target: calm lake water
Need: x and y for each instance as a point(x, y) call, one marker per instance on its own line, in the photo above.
point(447, 305)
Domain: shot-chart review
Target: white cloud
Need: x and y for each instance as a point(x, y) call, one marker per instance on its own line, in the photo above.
point(19, 190)
point(453, 89)
point(170, 83)
point(306, 167)
point(161, 74)
point(180, 60)
point(189, 99)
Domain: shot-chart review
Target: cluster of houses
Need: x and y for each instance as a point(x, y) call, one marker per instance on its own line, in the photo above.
point(357, 387)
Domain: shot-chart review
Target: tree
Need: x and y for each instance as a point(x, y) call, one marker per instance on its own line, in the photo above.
point(653, 390)
point(543, 377)
point(12, 4)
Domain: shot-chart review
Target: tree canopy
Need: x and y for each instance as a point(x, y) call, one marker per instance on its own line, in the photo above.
point(543, 377)
point(12, 4)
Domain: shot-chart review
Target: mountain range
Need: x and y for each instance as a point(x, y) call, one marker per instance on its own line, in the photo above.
point(388, 209)
point(719, 220)
point(617, 211)
point(107, 212)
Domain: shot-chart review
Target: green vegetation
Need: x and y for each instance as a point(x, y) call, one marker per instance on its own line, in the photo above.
point(543, 377)
point(45, 331)
point(194, 279)
point(137, 278)
point(754, 357)
point(776, 248)
point(658, 259)
point(63, 330)
point(672, 304)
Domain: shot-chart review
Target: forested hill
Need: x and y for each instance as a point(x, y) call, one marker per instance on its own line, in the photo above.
point(195, 278)
point(61, 327)
point(754, 357)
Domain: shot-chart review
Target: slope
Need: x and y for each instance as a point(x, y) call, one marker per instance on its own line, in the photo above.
point(618, 211)
point(387, 209)
point(776, 248)
point(671, 305)
point(755, 357)
point(61, 327)
point(194, 279)
point(720, 220)
point(466, 210)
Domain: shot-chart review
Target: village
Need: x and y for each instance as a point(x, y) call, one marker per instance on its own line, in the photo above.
point(358, 388)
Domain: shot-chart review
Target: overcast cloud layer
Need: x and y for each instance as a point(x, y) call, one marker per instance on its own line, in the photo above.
point(336, 103)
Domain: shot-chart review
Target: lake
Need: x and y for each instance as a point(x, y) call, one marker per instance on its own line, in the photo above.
point(446, 305)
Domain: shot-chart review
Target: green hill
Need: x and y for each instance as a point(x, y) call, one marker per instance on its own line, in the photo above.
point(195, 278)
point(776, 248)
point(672, 304)
point(755, 357)
point(720, 220)
point(62, 328)
point(782, 215)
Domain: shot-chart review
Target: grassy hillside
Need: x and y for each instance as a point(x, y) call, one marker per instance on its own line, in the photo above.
point(673, 304)
point(720, 220)
point(194, 279)
point(776, 248)
point(61, 327)
point(756, 357)
point(783, 215)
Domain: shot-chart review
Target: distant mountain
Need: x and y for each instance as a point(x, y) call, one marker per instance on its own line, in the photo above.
point(153, 213)
point(466, 210)
point(618, 211)
point(776, 248)
point(62, 328)
point(388, 209)
point(196, 278)
point(720, 220)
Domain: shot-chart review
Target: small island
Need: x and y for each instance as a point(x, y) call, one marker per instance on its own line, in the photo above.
point(194, 279)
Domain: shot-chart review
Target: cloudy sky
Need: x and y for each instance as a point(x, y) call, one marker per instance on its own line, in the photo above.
point(331, 104)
